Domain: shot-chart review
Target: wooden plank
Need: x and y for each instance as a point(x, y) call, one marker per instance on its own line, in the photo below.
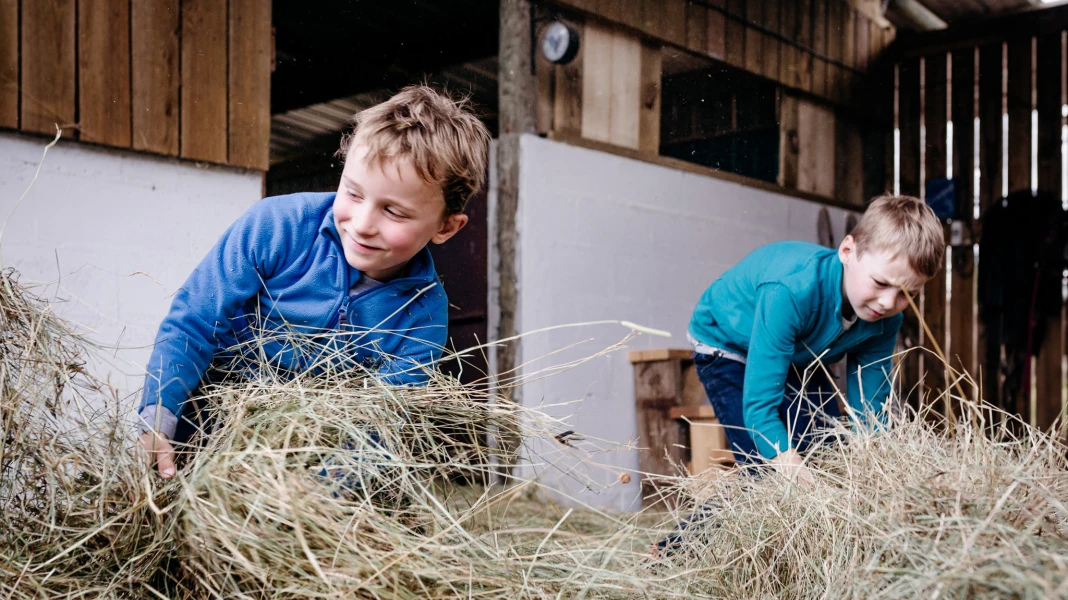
point(630, 13)
point(568, 90)
point(1018, 106)
point(697, 27)
point(789, 73)
point(735, 34)
point(673, 22)
point(48, 66)
point(9, 63)
point(772, 45)
point(596, 82)
point(804, 37)
point(717, 30)
point(754, 39)
point(250, 84)
point(849, 163)
point(104, 71)
point(862, 45)
point(961, 317)
point(909, 176)
point(788, 141)
point(154, 76)
point(1018, 96)
point(693, 412)
point(849, 55)
point(1049, 87)
point(834, 50)
point(816, 141)
point(819, 44)
point(649, 89)
point(657, 389)
point(203, 110)
point(637, 356)
point(545, 84)
point(935, 375)
point(625, 90)
point(990, 93)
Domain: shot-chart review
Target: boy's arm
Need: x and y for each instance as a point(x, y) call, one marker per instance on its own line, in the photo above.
point(249, 252)
point(776, 324)
point(867, 390)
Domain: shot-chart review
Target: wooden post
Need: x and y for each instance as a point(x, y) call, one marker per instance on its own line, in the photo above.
point(9, 63)
point(934, 293)
point(1049, 86)
point(990, 189)
point(961, 318)
point(517, 96)
point(909, 175)
point(1018, 106)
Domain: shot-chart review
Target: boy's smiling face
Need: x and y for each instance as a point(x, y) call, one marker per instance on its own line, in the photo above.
point(872, 281)
point(385, 213)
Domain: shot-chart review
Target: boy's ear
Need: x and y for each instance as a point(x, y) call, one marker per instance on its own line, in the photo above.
point(847, 250)
point(452, 224)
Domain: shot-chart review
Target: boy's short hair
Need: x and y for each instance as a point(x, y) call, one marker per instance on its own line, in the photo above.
point(446, 143)
point(903, 226)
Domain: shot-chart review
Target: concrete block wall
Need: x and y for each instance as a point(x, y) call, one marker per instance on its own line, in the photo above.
point(605, 237)
point(112, 235)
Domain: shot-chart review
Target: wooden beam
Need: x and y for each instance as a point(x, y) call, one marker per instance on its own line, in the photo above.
point(1049, 85)
point(754, 39)
point(649, 98)
point(772, 45)
point(104, 71)
point(816, 149)
point(788, 141)
point(249, 99)
point(819, 44)
point(909, 176)
point(516, 116)
point(990, 190)
point(804, 37)
point(717, 31)
point(735, 33)
point(1018, 98)
point(789, 67)
point(155, 77)
point(1025, 24)
point(696, 27)
point(9, 63)
point(48, 66)
point(934, 293)
point(204, 88)
point(961, 317)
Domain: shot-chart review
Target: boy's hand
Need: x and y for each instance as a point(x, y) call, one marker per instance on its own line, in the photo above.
point(789, 463)
point(160, 452)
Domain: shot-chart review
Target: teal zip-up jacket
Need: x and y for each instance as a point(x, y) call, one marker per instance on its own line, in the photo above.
point(782, 305)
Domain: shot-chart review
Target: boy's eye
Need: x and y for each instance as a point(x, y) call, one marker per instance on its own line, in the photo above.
point(395, 213)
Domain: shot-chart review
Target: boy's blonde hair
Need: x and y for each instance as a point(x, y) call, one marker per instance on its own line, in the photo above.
point(445, 142)
point(903, 226)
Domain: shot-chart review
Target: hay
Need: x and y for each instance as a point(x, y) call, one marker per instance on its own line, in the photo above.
point(931, 508)
point(327, 485)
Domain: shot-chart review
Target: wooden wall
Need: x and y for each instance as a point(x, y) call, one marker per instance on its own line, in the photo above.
point(820, 47)
point(818, 53)
point(994, 81)
point(186, 78)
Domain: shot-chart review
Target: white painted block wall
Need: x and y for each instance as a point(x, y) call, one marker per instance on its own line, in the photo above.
point(113, 234)
point(606, 237)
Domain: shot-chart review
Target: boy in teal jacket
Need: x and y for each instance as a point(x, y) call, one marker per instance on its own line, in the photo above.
point(784, 306)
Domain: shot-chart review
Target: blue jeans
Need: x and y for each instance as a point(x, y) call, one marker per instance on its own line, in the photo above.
point(807, 414)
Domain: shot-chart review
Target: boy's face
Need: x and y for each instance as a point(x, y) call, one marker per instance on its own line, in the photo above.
point(873, 281)
point(385, 213)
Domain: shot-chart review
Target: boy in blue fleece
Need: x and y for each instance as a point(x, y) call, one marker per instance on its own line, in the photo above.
point(351, 264)
point(758, 327)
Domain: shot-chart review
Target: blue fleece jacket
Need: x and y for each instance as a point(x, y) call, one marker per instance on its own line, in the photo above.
point(782, 305)
point(280, 269)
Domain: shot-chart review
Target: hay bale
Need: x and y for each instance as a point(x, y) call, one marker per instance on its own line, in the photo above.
point(74, 517)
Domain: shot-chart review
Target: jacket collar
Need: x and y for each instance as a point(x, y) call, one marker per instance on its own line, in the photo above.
point(421, 269)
